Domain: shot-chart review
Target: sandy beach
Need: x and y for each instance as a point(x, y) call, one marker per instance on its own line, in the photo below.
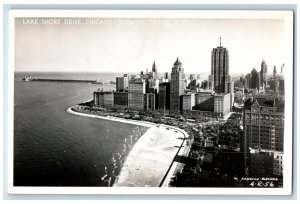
point(151, 158)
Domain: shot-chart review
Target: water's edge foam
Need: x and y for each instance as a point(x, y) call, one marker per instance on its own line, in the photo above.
point(139, 123)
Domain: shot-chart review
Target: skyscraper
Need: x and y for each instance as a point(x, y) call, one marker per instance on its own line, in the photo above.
point(220, 69)
point(166, 75)
point(177, 85)
point(282, 69)
point(274, 71)
point(263, 73)
point(122, 83)
point(154, 71)
point(164, 96)
point(254, 83)
point(136, 91)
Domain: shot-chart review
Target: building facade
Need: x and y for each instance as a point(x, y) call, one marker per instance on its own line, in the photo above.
point(188, 101)
point(121, 99)
point(261, 164)
point(210, 83)
point(263, 74)
point(220, 69)
point(274, 71)
point(248, 81)
point(154, 71)
point(153, 85)
point(278, 166)
point(204, 101)
point(264, 124)
point(265, 163)
point(122, 83)
point(222, 104)
point(150, 101)
point(164, 96)
point(104, 98)
point(136, 91)
point(255, 79)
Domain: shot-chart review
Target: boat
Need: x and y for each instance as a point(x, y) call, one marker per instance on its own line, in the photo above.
point(26, 78)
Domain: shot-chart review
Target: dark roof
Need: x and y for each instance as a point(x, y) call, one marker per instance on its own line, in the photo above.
point(279, 104)
point(253, 71)
point(177, 62)
point(265, 103)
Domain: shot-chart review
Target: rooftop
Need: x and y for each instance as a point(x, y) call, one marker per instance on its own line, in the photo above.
point(177, 62)
point(263, 102)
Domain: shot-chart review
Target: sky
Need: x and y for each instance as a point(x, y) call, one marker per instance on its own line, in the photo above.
point(131, 45)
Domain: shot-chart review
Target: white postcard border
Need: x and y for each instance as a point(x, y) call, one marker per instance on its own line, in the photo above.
point(287, 178)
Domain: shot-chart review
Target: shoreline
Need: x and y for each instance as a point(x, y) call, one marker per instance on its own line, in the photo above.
point(154, 152)
point(111, 118)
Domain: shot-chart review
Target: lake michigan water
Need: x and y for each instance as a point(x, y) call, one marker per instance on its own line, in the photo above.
point(55, 148)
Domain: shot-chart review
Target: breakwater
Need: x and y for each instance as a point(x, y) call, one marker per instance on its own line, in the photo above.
point(64, 80)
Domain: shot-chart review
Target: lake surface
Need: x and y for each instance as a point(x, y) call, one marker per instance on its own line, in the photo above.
point(55, 148)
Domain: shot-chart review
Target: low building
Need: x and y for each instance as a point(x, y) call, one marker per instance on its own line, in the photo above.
point(222, 104)
point(104, 98)
point(206, 103)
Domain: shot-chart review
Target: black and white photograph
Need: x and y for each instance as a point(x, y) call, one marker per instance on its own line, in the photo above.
point(151, 101)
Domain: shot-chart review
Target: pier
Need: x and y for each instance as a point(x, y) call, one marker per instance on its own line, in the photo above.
point(59, 80)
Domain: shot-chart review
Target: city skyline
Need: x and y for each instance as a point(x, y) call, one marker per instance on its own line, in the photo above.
point(101, 48)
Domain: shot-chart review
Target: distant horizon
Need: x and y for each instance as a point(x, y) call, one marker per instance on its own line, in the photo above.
point(34, 71)
point(134, 47)
point(204, 75)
